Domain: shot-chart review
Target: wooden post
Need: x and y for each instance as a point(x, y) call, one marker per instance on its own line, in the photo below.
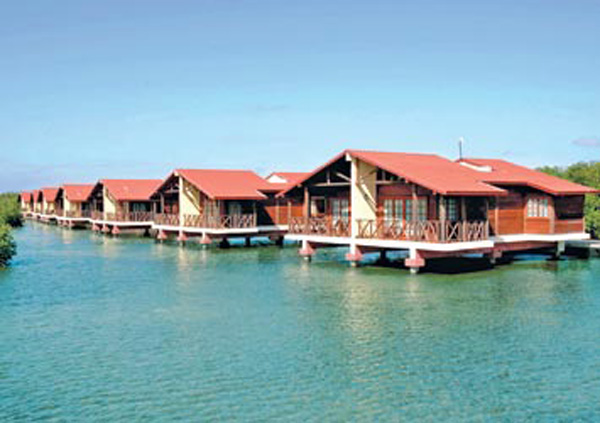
point(552, 214)
point(497, 216)
point(306, 202)
point(415, 206)
point(443, 217)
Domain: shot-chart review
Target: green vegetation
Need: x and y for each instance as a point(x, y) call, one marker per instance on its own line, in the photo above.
point(586, 173)
point(10, 216)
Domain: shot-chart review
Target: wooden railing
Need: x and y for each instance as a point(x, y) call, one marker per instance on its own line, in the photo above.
point(424, 231)
point(566, 226)
point(97, 215)
point(130, 217)
point(326, 226)
point(166, 219)
point(79, 214)
point(233, 221)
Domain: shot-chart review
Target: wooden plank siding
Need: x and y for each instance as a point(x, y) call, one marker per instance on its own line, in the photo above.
point(510, 215)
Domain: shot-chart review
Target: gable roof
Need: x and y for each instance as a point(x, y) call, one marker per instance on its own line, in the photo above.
point(131, 189)
point(430, 171)
point(77, 192)
point(225, 184)
point(290, 179)
point(26, 196)
point(36, 195)
point(505, 173)
point(49, 194)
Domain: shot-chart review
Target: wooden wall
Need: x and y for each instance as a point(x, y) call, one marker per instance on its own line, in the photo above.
point(277, 211)
point(510, 214)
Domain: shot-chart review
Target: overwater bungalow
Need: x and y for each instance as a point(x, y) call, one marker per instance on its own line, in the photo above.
point(432, 207)
point(48, 203)
point(221, 204)
point(26, 203)
point(117, 204)
point(73, 209)
point(36, 203)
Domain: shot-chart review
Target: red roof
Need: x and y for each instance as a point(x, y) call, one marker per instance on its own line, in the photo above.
point(49, 194)
point(77, 192)
point(131, 189)
point(502, 172)
point(26, 197)
point(36, 195)
point(430, 171)
point(291, 179)
point(223, 184)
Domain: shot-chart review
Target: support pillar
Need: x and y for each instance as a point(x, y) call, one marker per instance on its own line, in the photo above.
point(205, 241)
point(161, 235)
point(558, 252)
point(248, 241)
point(307, 250)
point(115, 230)
point(355, 255)
point(224, 243)
point(494, 256)
point(182, 238)
point(415, 261)
point(383, 259)
point(105, 229)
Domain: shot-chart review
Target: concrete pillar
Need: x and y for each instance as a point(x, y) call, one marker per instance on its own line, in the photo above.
point(560, 249)
point(415, 261)
point(355, 255)
point(161, 236)
point(307, 250)
point(248, 241)
point(494, 256)
point(182, 238)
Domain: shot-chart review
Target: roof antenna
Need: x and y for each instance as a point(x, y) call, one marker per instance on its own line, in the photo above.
point(461, 141)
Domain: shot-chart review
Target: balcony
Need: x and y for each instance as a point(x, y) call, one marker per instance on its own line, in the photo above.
point(166, 219)
point(130, 217)
point(325, 226)
point(434, 231)
point(233, 221)
point(569, 226)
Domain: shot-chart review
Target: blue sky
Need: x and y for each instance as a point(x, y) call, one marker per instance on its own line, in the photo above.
point(134, 88)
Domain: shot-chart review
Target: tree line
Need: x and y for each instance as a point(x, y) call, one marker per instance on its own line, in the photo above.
point(585, 173)
point(10, 217)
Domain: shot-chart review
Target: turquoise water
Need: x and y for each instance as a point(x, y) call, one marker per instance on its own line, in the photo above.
point(102, 329)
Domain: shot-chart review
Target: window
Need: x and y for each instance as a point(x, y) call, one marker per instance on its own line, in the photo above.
point(234, 208)
point(339, 210)
point(452, 209)
point(422, 209)
point(393, 210)
point(537, 207)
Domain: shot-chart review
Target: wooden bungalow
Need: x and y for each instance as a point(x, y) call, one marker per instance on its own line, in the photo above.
point(117, 204)
point(433, 207)
point(26, 204)
point(48, 203)
point(36, 203)
point(221, 204)
point(73, 209)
